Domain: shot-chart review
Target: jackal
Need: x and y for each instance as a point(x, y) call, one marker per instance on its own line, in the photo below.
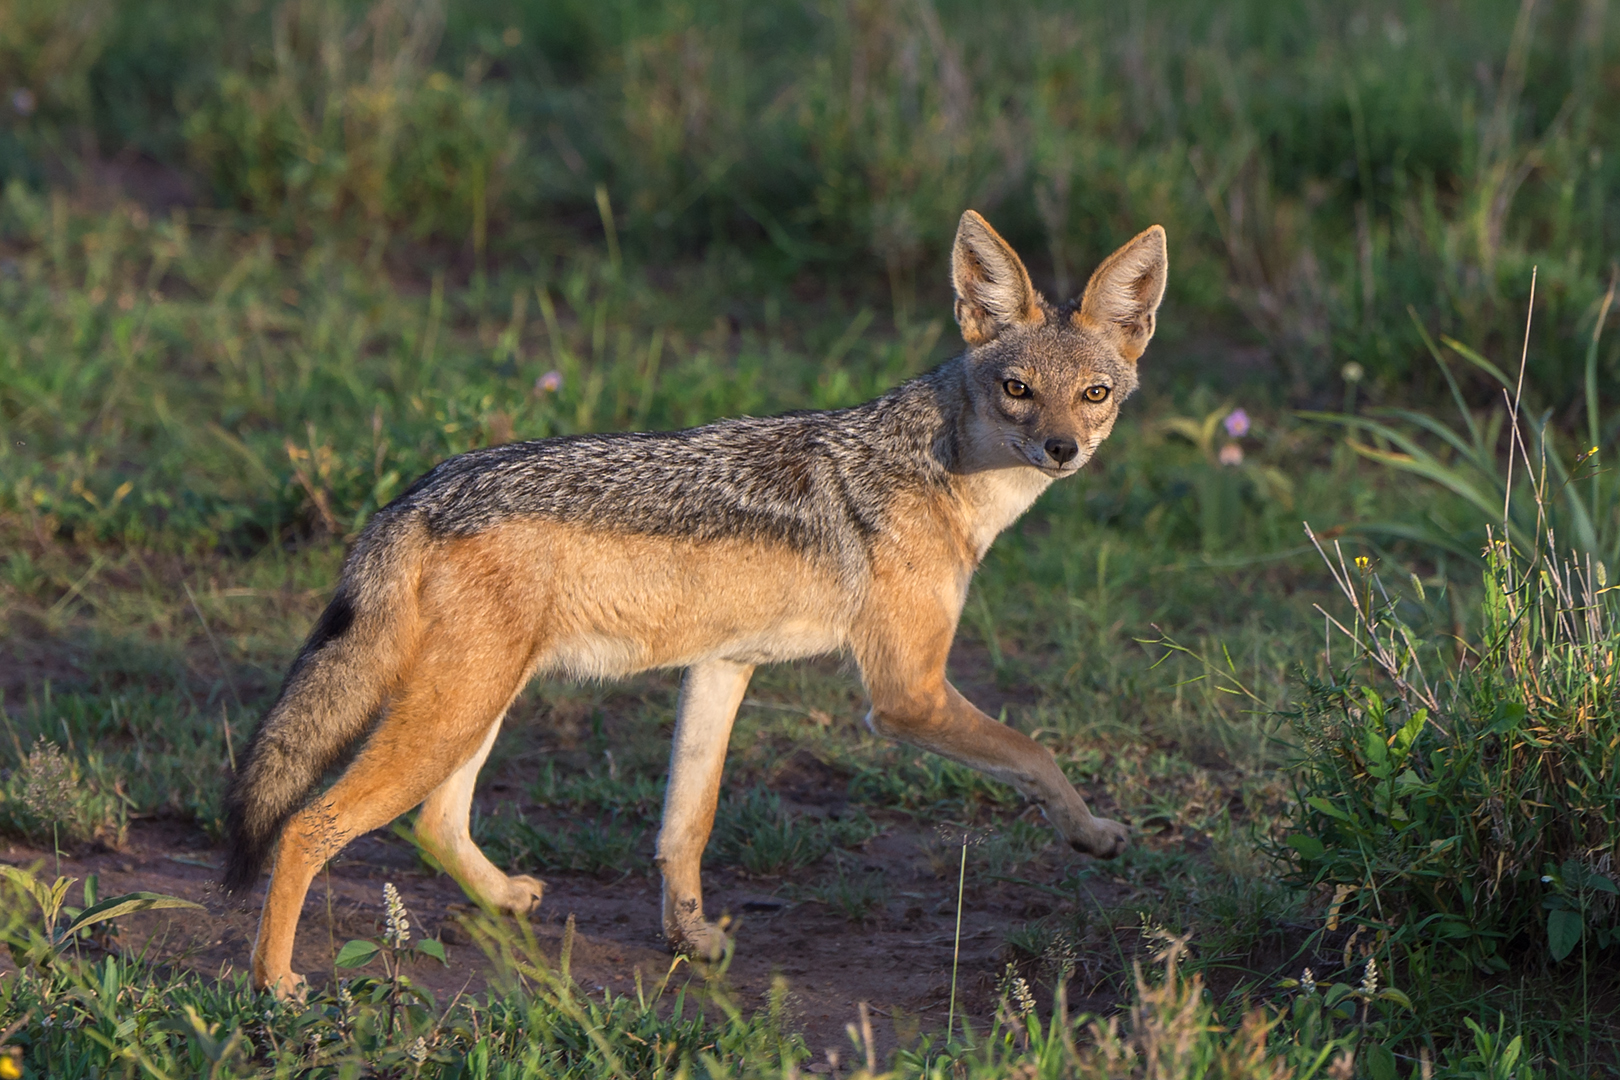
point(716, 549)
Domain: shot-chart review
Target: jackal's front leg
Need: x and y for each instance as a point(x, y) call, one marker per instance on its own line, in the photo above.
point(948, 724)
point(903, 662)
point(710, 695)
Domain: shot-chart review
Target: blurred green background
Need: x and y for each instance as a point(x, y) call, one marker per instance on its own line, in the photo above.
point(1320, 167)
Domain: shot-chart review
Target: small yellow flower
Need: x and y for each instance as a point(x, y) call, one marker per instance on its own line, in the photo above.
point(1361, 563)
point(9, 1069)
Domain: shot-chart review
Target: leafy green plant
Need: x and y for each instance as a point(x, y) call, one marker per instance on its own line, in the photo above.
point(929, 783)
point(37, 937)
point(854, 896)
point(394, 945)
point(1472, 812)
point(638, 796)
point(1537, 492)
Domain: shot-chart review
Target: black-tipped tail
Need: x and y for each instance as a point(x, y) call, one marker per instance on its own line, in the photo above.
point(329, 697)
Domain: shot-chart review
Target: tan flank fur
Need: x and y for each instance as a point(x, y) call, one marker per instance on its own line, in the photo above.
point(716, 549)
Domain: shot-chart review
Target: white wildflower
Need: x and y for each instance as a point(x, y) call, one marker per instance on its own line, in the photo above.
point(398, 931)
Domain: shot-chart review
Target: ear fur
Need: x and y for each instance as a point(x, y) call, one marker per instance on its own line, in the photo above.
point(993, 290)
point(1122, 297)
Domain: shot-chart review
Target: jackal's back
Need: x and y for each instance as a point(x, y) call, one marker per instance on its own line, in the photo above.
point(820, 482)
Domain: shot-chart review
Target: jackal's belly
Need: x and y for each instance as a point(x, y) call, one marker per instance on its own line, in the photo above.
point(604, 654)
point(617, 604)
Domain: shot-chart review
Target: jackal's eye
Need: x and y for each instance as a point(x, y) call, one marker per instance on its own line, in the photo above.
point(1095, 394)
point(1015, 388)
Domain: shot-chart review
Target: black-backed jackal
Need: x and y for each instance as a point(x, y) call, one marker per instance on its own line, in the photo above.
point(716, 549)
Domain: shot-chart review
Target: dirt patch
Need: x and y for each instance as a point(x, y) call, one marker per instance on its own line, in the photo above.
point(898, 960)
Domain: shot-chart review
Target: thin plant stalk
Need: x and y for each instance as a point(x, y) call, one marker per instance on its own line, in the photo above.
point(1518, 394)
point(956, 949)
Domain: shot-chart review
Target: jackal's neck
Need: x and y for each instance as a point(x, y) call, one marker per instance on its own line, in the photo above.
point(988, 490)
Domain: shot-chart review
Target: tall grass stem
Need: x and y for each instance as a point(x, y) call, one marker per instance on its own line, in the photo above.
point(956, 948)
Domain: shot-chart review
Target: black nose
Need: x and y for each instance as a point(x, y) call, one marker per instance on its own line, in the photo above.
point(1062, 451)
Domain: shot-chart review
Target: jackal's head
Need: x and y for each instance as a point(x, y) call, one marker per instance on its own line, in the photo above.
point(1046, 380)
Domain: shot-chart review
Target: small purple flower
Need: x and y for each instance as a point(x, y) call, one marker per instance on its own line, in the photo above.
point(549, 383)
point(23, 102)
point(1236, 423)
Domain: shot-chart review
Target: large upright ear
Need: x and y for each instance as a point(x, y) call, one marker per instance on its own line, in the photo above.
point(993, 291)
point(1123, 295)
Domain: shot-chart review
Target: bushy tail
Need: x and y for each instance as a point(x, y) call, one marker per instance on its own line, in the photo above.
point(332, 692)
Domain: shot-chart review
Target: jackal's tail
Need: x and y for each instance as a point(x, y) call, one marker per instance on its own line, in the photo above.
point(333, 690)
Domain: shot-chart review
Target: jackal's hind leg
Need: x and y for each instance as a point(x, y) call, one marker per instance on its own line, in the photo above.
point(443, 828)
point(710, 694)
point(439, 721)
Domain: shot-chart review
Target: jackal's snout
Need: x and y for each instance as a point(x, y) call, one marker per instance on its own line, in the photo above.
point(1062, 449)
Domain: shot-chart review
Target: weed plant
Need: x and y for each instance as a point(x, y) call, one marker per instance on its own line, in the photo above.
point(1480, 827)
point(1562, 491)
point(930, 785)
point(1458, 798)
point(336, 118)
point(52, 799)
point(858, 897)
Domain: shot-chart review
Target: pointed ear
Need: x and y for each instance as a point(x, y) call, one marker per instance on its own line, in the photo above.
point(1122, 297)
point(993, 291)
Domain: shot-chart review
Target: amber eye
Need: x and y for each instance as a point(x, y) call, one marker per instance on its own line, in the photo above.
point(1015, 388)
point(1095, 394)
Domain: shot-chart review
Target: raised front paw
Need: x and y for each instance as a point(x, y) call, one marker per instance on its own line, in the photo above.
point(523, 894)
point(1103, 838)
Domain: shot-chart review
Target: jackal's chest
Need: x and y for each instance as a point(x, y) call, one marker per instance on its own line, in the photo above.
point(995, 498)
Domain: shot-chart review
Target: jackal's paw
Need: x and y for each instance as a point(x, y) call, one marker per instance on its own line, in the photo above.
point(697, 939)
point(1105, 839)
point(289, 987)
point(523, 894)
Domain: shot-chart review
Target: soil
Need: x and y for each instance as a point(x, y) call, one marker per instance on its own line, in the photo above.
point(899, 962)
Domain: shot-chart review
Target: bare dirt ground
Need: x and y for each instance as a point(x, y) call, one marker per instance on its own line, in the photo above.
point(899, 961)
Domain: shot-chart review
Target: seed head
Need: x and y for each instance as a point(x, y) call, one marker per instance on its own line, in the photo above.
point(1369, 981)
point(1307, 981)
point(1022, 997)
point(47, 788)
point(398, 931)
point(417, 1051)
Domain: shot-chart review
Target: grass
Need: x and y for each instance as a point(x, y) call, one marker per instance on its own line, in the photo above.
point(172, 617)
point(414, 230)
